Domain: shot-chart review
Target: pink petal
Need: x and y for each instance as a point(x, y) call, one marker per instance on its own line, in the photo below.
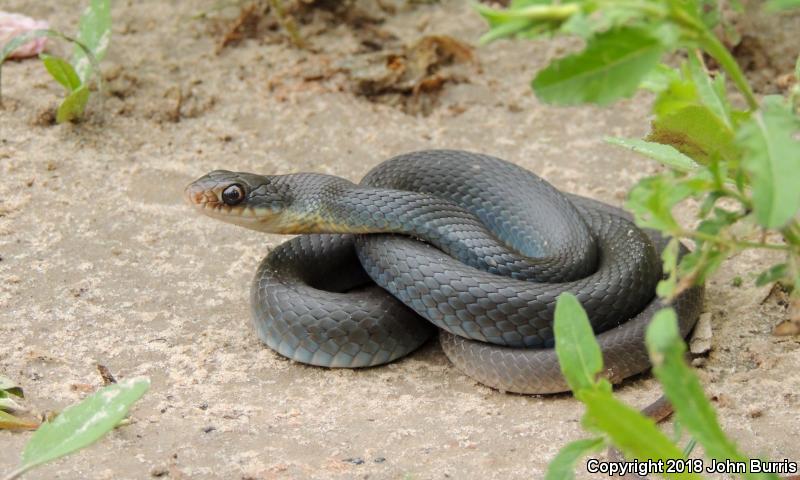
point(12, 25)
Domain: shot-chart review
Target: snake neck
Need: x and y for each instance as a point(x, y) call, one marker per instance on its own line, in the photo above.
point(327, 204)
point(324, 204)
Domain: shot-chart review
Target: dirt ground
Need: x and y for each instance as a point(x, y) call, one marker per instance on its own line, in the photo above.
point(102, 262)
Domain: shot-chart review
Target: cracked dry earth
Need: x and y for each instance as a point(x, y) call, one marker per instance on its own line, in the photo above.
point(103, 263)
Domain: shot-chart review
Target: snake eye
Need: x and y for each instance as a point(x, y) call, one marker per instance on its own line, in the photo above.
point(233, 195)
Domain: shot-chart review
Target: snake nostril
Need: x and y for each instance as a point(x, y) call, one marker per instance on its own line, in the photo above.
point(195, 195)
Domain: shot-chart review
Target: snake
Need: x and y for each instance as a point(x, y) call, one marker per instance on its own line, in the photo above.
point(466, 244)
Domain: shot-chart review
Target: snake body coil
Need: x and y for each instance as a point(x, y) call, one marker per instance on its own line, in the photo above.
point(500, 244)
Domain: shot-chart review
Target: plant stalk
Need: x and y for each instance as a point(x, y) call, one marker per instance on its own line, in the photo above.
point(533, 12)
point(18, 472)
point(288, 23)
point(739, 244)
point(712, 46)
point(791, 233)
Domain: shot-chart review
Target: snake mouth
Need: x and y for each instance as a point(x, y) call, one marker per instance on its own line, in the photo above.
point(208, 202)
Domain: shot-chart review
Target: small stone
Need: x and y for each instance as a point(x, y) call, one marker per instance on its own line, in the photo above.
point(379, 460)
point(159, 472)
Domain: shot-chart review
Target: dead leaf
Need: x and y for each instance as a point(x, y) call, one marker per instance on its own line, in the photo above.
point(410, 77)
point(10, 422)
point(787, 328)
point(106, 375)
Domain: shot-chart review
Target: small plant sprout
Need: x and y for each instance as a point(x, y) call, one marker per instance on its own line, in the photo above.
point(94, 35)
point(13, 25)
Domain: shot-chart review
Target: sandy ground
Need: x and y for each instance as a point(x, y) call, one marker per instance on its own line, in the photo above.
point(102, 262)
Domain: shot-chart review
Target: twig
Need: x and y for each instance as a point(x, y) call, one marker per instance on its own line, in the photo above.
point(288, 23)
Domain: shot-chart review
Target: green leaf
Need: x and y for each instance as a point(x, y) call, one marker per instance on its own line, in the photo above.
point(669, 258)
point(26, 37)
point(664, 154)
point(505, 29)
point(530, 19)
point(797, 69)
point(772, 274)
point(776, 5)
point(795, 93)
point(62, 71)
point(772, 158)
point(678, 95)
point(81, 425)
point(15, 43)
point(684, 391)
point(652, 200)
point(635, 435)
point(562, 467)
point(578, 352)
point(578, 24)
point(10, 422)
point(610, 17)
point(710, 12)
point(72, 107)
point(707, 262)
point(697, 132)
point(21, 40)
point(710, 95)
point(708, 203)
point(526, 3)
point(713, 226)
point(611, 67)
point(687, 450)
point(8, 385)
point(95, 34)
point(667, 33)
point(659, 78)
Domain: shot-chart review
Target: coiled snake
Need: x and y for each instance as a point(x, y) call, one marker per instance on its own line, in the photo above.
point(476, 246)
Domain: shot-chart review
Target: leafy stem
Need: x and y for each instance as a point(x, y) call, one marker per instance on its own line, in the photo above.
point(730, 242)
point(791, 233)
point(740, 196)
point(715, 48)
point(533, 12)
point(18, 472)
point(651, 9)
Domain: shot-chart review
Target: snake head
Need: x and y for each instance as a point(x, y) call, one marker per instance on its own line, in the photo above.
point(254, 201)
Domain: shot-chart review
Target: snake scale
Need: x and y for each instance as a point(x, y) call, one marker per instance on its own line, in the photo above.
point(474, 245)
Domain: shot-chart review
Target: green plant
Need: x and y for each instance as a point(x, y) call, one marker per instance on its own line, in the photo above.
point(94, 35)
point(637, 436)
point(9, 389)
point(738, 158)
point(782, 4)
point(80, 425)
point(741, 165)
